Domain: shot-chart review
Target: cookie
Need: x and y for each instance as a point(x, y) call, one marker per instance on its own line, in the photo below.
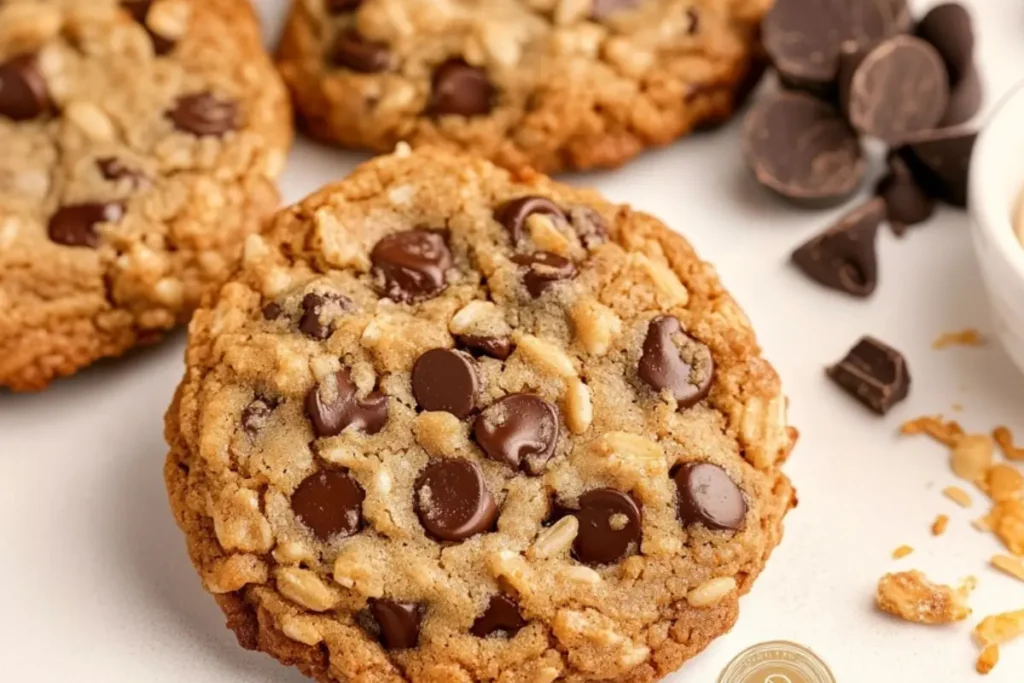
point(554, 84)
point(453, 424)
point(142, 140)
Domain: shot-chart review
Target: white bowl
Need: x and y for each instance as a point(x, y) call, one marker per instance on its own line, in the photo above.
point(996, 183)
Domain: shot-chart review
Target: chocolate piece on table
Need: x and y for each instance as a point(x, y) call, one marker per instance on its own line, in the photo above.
point(940, 160)
point(965, 99)
point(949, 28)
point(874, 373)
point(843, 257)
point(906, 202)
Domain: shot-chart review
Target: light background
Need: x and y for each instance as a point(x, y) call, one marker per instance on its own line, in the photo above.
point(97, 586)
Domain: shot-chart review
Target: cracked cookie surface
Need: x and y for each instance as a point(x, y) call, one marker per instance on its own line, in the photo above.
point(449, 423)
point(142, 142)
point(553, 84)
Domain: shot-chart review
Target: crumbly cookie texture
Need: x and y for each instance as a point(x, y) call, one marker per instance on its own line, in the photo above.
point(142, 140)
point(554, 84)
point(449, 423)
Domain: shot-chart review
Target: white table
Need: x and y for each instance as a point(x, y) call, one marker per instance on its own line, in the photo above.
point(97, 585)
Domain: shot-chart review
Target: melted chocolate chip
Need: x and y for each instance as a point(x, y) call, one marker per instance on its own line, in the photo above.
point(443, 379)
point(204, 114)
point(513, 214)
point(460, 89)
point(501, 617)
point(453, 501)
point(256, 414)
point(75, 225)
point(610, 526)
point(411, 266)
point(315, 309)
point(23, 91)
point(543, 270)
point(708, 496)
point(495, 347)
point(330, 503)
point(139, 9)
point(114, 169)
point(342, 408)
point(520, 430)
point(355, 52)
point(272, 311)
point(398, 623)
point(590, 226)
point(684, 370)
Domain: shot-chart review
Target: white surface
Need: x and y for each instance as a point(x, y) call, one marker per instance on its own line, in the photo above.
point(97, 586)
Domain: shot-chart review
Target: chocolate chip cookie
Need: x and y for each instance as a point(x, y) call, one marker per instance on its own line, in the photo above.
point(555, 84)
point(449, 423)
point(142, 140)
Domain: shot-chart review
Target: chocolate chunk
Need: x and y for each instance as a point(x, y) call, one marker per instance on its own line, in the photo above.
point(495, 347)
point(398, 623)
point(316, 307)
point(75, 225)
point(23, 91)
point(906, 202)
point(804, 38)
point(256, 415)
point(513, 214)
point(843, 257)
point(341, 407)
point(941, 161)
point(708, 496)
point(272, 311)
point(411, 266)
point(897, 90)
point(139, 9)
point(874, 373)
point(460, 89)
point(590, 226)
point(342, 6)
point(355, 52)
point(674, 361)
point(949, 29)
point(600, 9)
point(114, 169)
point(610, 527)
point(965, 99)
point(330, 503)
point(443, 379)
point(453, 501)
point(501, 617)
point(803, 149)
point(204, 114)
point(520, 430)
point(543, 270)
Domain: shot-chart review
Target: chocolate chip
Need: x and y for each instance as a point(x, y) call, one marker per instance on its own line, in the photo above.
point(708, 496)
point(453, 501)
point(460, 89)
point(114, 169)
point(443, 379)
point(543, 270)
point(330, 503)
point(674, 361)
point(513, 214)
point(896, 90)
point(941, 160)
point(804, 38)
point(501, 617)
point(949, 29)
point(520, 430)
point(355, 52)
point(139, 9)
point(316, 307)
point(341, 407)
point(204, 114)
point(23, 91)
point(256, 415)
point(272, 311)
point(843, 257)
point(496, 347)
point(906, 202)
point(600, 9)
point(803, 149)
point(342, 6)
point(965, 99)
point(609, 527)
point(411, 266)
point(398, 623)
point(75, 225)
point(874, 373)
point(590, 226)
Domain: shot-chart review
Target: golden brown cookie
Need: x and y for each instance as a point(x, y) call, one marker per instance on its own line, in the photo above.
point(141, 143)
point(453, 424)
point(554, 84)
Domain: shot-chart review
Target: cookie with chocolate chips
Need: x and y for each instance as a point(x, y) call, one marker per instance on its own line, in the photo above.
point(141, 140)
point(553, 84)
point(451, 423)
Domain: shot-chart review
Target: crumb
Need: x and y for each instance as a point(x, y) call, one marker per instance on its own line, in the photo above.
point(988, 659)
point(999, 629)
point(1013, 566)
point(982, 525)
point(902, 551)
point(1003, 482)
point(1004, 437)
point(968, 337)
point(939, 525)
point(957, 408)
point(1006, 520)
point(971, 457)
point(945, 432)
point(958, 496)
point(911, 596)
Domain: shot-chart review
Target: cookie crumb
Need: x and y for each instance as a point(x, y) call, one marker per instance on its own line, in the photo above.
point(993, 631)
point(911, 596)
point(1006, 520)
point(939, 525)
point(958, 496)
point(968, 337)
point(1013, 566)
point(901, 552)
point(1004, 439)
point(988, 659)
point(945, 432)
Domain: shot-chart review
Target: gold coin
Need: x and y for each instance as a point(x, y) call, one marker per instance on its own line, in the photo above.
point(778, 661)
